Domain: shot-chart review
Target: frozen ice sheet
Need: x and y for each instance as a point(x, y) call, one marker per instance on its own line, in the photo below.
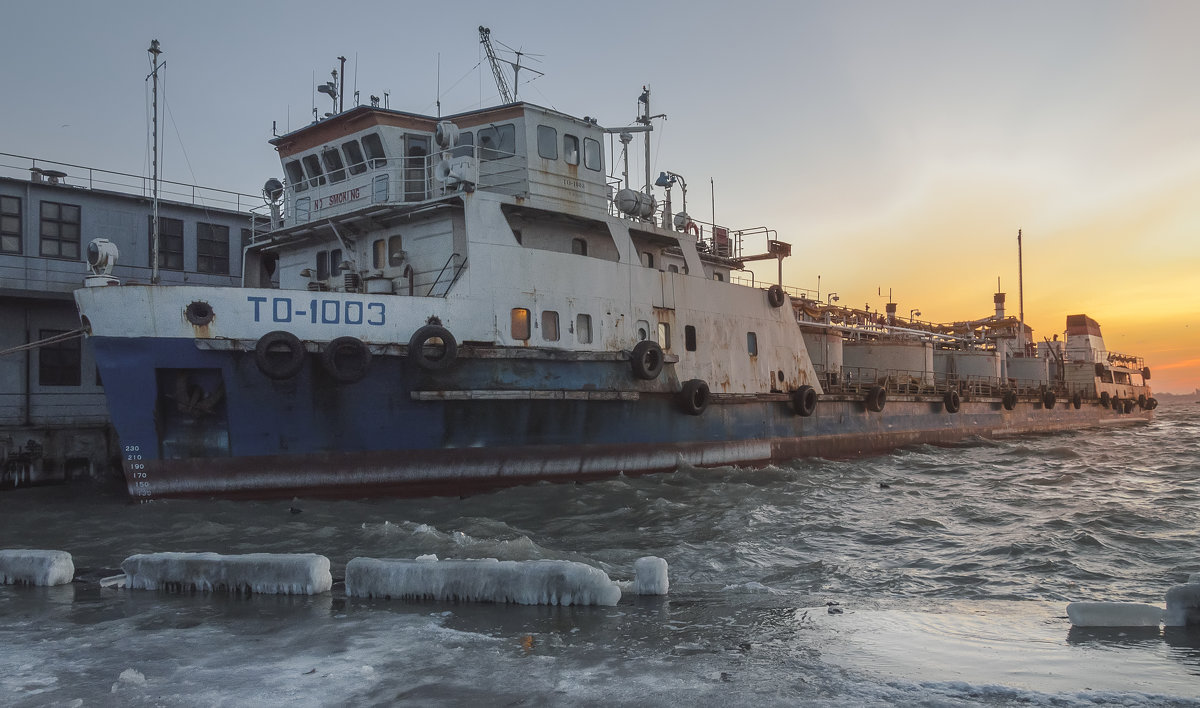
point(34, 567)
point(271, 573)
point(535, 582)
point(1114, 614)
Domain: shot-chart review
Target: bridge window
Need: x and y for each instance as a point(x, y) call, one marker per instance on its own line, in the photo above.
point(550, 325)
point(583, 329)
point(322, 265)
point(374, 149)
point(295, 176)
point(379, 253)
point(396, 254)
point(335, 262)
point(571, 149)
point(354, 157)
point(579, 246)
point(648, 259)
point(752, 343)
point(59, 364)
point(689, 338)
point(547, 138)
point(212, 248)
point(333, 164)
point(60, 230)
point(664, 335)
point(591, 154)
point(10, 225)
point(497, 141)
point(170, 242)
point(312, 167)
point(519, 325)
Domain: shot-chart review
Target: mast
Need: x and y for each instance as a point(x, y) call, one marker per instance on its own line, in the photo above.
point(1021, 293)
point(644, 119)
point(154, 67)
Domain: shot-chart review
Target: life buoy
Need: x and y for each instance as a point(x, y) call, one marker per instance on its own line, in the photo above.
point(432, 360)
point(346, 359)
point(1009, 400)
point(952, 401)
point(804, 401)
point(1077, 401)
point(693, 228)
point(1049, 399)
point(279, 355)
point(776, 296)
point(876, 399)
point(647, 360)
point(1105, 399)
point(694, 397)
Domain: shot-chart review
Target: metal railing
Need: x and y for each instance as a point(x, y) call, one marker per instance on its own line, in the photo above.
point(860, 379)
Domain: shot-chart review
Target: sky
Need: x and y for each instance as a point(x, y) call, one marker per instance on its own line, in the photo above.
point(898, 146)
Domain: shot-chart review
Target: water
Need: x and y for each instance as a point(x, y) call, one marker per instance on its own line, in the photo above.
point(951, 567)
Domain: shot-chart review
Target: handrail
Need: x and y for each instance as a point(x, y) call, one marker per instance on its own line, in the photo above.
point(438, 279)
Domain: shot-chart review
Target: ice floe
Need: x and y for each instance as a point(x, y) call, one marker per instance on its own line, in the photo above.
point(1183, 605)
point(267, 573)
point(1114, 614)
point(650, 576)
point(536, 582)
point(33, 567)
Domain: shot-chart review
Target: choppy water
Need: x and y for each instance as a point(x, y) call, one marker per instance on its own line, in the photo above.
point(952, 568)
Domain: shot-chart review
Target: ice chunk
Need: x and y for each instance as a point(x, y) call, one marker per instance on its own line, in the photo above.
point(270, 573)
point(535, 582)
point(1194, 578)
point(29, 567)
point(650, 576)
point(1114, 614)
point(1183, 605)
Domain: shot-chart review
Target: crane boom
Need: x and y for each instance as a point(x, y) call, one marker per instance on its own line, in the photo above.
point(485, 38)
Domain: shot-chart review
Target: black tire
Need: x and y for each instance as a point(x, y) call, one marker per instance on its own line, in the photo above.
point(647, 360)
point(694, 397)
point(804, 401)
point(279, 355)
point(1129, 404)
point(1105, 399)
point(1142, 401)
point(347, 359)
point(1099, 369)
point(1117, 405)
point(1146, 373)
point(432, 361)
point(1151, 403)
point(876, 399)
point(1009, 400)
point(952, 401)
point(776, 296)
point(1049, 399)
point(1077, 401)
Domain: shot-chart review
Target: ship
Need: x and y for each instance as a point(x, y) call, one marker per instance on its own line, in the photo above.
point(449, 304)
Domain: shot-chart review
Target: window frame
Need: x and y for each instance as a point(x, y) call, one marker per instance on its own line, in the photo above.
point(547, 142)
point(579, 246)
point(593, 156)
point(64, 360)
point(60, 223)
point(356, 162)
point(520, 322)
point(752, 343)
point(214, 258)
point(571, 149)
point(312, 168)
point(372, 145)
point(583, 328)
point(8, 216)
point(331, 159)
point(550, 329)
point(295, 175)
point(689, 338)
point(170, 243)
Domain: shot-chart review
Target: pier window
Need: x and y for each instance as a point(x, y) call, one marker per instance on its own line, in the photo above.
point(354, 157)
point(579, 246)
point(547, 138)
point(295, 176)
point(60, 230)
point(312, 167)
point(170, 242)
point(550, 325)
point(212, 248)
point(571, 149)
point(497, 141)
point(59, 364)
point(689, 338)
point(583, 329)
point(373, 146)
point(591, 154)
point(752, 343)
point(519, 325)
point(10, 225)
point(333, 164)
point(396, 254)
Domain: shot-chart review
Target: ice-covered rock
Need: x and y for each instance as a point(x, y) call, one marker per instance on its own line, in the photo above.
point(535, 582)
point(650, 576)
point(31, 567)
point(1183, 605)
point(1114, 614)
point(268, 573)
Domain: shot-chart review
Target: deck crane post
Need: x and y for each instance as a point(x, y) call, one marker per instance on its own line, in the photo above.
point(485, 38)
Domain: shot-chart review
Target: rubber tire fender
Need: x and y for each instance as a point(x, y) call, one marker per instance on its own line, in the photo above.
point(1099, 369)
point(1009, 400)
point(1117, 405)
point(804, 401)
point(952, 401)
point(1077, 401)
point(1049, 399)
point(1105, 399)
point(416, 348)
point(647, 360)
point(1146, 373)
point(1151, 403)
point(776, 296)
point(694, 397)
point(267, 355)
point(333, 359)
point(876, 399)
point(1141, 401)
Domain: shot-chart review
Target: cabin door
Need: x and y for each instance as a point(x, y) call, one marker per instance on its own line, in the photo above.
point(416, 167)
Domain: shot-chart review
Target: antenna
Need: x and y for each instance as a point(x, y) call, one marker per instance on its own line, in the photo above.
point(439, 85)
point(154, 51)
point(485, 38)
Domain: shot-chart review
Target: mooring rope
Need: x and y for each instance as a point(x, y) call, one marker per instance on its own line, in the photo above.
point(62, 337)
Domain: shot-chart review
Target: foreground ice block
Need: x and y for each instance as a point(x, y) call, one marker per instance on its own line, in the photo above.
point(1183, 605)
point(268, 573)
point(32, 567)
point(1114, 614)
point(535, 582)
point(650, 576)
